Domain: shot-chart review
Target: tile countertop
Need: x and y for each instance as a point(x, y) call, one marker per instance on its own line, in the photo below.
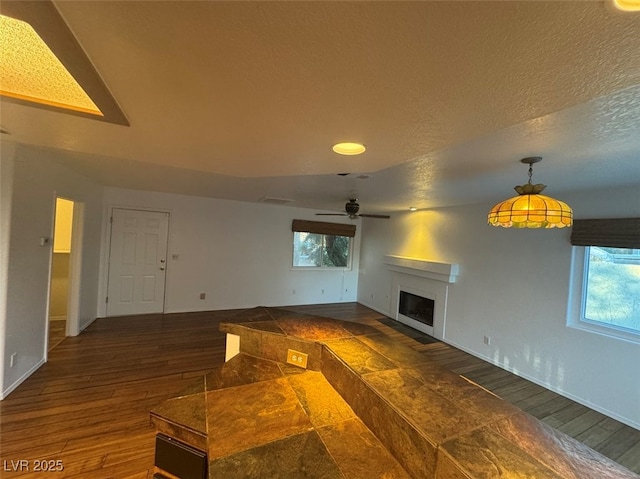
point(364, 407)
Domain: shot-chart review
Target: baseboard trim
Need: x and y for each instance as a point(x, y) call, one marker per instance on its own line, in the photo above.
point(490, 360)
point(548, 386)
point(86, 325)
point(21, 379)
point(377, 310)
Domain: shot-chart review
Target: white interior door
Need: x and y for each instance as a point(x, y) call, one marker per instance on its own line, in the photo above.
point(137, 262)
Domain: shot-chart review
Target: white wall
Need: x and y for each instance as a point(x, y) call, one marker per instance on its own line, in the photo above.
point(513, 287)
point(238, 254)
point(7, 152)
point(513, 284)
point(36, 181)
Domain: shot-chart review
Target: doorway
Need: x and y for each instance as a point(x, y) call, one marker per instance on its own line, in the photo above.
point(59, 292)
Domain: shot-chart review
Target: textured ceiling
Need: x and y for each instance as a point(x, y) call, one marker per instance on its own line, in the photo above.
point(242, 100)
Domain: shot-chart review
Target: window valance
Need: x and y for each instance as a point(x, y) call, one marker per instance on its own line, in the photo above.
point(612, 232)
point(323, 228)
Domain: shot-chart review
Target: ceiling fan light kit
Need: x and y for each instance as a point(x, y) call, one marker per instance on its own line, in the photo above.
point(352, 207)
point(530, 209)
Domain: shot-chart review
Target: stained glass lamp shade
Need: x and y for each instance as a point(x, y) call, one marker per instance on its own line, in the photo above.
point(530, 209)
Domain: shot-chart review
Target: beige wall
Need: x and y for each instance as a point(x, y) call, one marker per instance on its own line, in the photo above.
point(60, 262)
point(64, 219)
point(59, 286)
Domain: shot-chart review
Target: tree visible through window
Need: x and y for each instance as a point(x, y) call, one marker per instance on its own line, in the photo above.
point(320, 251)
point(336, 251)
point(611, 295)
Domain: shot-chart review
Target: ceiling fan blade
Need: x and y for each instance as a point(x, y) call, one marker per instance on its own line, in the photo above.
point(375, 216)
point(331, 214)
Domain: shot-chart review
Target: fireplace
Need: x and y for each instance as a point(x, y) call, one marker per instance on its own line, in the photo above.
point(416, 307)
point(419, 292)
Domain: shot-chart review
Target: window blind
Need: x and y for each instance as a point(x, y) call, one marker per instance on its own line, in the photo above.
point(320, 227)
point(612, 232)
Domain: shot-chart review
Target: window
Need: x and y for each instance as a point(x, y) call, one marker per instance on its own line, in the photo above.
point(314, 250)
point(317, 244)
point(612, 287)
point(605, 282)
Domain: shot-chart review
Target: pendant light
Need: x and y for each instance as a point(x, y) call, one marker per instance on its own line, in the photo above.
point(530, 209)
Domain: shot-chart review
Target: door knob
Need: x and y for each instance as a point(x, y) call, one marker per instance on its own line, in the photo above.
point(161, 268)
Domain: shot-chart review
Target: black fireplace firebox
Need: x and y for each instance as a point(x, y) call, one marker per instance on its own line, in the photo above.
point(416, 307)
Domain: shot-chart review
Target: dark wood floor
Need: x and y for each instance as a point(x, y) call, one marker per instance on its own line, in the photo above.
point(603, 434)
point(89, 405)
point(57, 332)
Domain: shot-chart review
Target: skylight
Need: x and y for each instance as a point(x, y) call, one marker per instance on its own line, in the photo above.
point(30, 70)
point(43, 65)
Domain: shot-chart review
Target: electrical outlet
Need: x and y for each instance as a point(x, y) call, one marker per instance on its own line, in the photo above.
point(203, 295)
point(487, 340)
point(297, 358)
point(12, 360)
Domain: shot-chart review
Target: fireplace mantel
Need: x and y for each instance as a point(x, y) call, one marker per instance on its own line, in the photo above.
point(436, 270)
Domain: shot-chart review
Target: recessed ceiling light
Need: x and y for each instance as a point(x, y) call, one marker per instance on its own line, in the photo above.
point(627, 5)
point(413, 208)
point(349, 148)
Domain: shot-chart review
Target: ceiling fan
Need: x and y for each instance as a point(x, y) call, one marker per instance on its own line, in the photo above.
point(352, 208)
